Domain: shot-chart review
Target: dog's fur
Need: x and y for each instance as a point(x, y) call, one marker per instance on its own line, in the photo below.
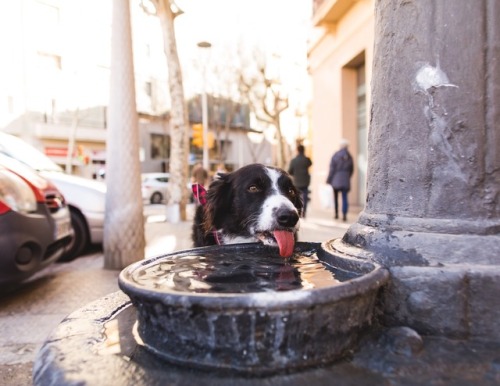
point(248, 205)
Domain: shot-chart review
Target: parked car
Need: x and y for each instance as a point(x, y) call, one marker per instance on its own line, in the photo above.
point(155, 187)
point(35, 223)
point(85, 197)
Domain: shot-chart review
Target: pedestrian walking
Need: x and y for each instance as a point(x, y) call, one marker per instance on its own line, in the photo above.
point(339, 177)
point(299, 170)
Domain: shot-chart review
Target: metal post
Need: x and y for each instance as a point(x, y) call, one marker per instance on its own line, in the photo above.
point(204, 109)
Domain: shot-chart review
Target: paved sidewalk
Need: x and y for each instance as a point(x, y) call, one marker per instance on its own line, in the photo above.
point(28, 315)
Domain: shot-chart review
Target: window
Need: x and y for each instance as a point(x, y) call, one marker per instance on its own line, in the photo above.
point(362, 130)
point(160, 146)
point(148, 89)
point(48, 62)
point(354, 122)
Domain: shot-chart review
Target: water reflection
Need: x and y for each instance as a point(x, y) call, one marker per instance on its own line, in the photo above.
point(245, 272)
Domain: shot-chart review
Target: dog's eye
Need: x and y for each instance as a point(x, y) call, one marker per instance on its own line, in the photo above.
point(291, 192)
point(253, 189)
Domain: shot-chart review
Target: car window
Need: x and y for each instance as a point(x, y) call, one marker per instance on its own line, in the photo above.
point(163, 179)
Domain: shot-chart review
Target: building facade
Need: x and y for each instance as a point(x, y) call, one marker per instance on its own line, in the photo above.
point(54, 84)
point(340, 58)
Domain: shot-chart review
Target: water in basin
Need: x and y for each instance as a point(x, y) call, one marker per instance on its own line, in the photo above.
point(251, 271)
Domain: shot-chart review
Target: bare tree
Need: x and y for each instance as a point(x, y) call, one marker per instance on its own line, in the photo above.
point(223, 100)
point(71, 140)
point(233, 95)
point(222, 128)
point(167, 10)
point(268, 100)
point(222, 108)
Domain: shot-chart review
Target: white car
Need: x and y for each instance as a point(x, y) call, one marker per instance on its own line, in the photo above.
point(155, 187)
point(85, 197)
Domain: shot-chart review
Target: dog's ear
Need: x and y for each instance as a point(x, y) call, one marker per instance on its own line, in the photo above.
point(219, 175)
point(218, 204)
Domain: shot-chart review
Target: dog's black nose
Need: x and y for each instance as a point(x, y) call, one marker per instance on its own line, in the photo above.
point(287, 218)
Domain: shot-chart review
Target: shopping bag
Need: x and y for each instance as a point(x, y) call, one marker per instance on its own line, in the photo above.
point(326, 196)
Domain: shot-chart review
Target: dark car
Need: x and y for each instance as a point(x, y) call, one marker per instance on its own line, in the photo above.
point(85, 197)
point(35, 223)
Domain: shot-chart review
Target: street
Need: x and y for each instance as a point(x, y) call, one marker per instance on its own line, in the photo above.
point(29, 314)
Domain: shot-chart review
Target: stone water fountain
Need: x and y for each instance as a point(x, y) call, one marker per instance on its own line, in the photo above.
point(420, 302)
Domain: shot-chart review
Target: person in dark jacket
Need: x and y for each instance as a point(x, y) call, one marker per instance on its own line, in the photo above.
point(339, 177)
point(299, 170)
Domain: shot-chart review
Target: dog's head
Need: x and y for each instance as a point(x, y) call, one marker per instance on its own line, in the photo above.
point(254, 203)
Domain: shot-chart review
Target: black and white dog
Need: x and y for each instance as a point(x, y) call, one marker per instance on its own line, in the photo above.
point(255, 203)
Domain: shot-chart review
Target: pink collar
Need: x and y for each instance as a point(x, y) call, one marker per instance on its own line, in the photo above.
point(217, 237)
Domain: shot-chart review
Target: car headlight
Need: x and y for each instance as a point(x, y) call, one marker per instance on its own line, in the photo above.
point(15, 194)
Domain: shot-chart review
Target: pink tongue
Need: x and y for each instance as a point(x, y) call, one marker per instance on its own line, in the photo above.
point(286, 242)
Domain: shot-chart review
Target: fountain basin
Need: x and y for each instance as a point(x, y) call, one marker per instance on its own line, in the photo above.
point(255, 332)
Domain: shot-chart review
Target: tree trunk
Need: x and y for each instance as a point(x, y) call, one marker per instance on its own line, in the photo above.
point(179, 128)
point(71, 141)
point(124, 241)
point(281, 157)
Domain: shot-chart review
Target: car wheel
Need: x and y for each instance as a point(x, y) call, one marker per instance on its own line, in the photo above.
point(156, 198)
point(80, 238)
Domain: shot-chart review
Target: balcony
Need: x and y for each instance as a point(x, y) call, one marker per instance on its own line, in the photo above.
point(330, 11)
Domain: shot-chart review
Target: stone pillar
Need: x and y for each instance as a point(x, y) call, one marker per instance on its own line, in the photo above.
point(433, 186)
point(124, 241)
